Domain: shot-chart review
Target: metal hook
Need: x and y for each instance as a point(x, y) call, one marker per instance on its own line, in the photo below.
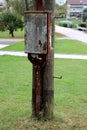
point(59, 77)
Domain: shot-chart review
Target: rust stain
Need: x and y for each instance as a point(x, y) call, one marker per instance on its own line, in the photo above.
point(40, 60)
point(45, 46)
point(38, 88)
point(40, 43)
point(39, 4)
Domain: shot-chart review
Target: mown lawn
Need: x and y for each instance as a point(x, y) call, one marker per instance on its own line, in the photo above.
point(70, 99)
point(17, 34)
point(61, 46)
point(70, 93)
point(70, 47)
point(19, 46)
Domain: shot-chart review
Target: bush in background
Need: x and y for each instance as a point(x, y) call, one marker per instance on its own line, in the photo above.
point(84, 16)
point(82, 25)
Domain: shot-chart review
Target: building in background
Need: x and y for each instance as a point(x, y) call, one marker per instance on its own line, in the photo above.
point(75, 7)
point(2, 5)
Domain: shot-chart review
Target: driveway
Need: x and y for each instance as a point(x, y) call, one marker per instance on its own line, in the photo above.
point(71, 33)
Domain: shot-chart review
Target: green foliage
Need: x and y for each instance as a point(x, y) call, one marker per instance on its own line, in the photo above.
point(65, 23)
point(60, 11)
point(18, 6)
point(84, 17)
point(82, 25)
point(78, 22)
point(73, 21)
point(11, 22)
point(2, 24)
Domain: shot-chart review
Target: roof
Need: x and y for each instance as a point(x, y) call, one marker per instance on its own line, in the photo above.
point(77, 1)
point(2, 4)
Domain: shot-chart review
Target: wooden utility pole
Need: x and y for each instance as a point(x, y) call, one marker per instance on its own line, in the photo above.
point(48, 81)
point(26, 5)
point(43, 63)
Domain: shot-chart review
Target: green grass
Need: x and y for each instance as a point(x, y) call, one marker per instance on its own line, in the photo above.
point(19, 46)
point(70, 101)
point(15, 90)
point(61, 46)
point(70, 47)
point(17, 34)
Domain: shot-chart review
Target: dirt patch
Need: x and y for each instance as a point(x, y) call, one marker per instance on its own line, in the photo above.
point(78, 123)
point(59, 35)
point(73, 123)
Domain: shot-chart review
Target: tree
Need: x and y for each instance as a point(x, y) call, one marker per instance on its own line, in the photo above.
point(18, 6)
point(11, 22)
point(84, 15)
point(60, 10)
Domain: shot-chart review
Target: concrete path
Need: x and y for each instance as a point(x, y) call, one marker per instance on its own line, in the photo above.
point(71, 33)
point(62, 56)
point(13, 53)
point(71, 56)
point(7, 42)
point(2, 46)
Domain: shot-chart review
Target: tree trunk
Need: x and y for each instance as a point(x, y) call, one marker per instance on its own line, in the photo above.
point(11, 32)
point(26, 5)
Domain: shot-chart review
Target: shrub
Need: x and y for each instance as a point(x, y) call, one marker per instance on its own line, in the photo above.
point(66, 23)
point(82, 25)
point(84, 17)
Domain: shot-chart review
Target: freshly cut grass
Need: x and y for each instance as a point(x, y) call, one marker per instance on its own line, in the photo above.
point(15, 90)
point(70, 47)
point(70, 99)
point(19, 46)
point(17, 34)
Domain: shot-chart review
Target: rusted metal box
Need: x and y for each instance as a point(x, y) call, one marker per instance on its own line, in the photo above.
point(37, 32)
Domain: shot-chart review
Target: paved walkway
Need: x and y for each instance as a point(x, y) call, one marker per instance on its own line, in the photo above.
point(62, 56)
point(8, 41)
point(71, 56)
point(13, 53)
point(71, 33)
